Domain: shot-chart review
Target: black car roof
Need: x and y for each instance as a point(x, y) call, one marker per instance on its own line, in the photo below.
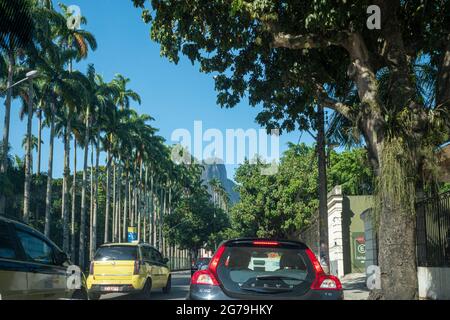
point(281, 241)
point(29, 228)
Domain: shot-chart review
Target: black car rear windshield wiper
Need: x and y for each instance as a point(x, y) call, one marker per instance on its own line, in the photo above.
point(266, 290)
point(271, 277)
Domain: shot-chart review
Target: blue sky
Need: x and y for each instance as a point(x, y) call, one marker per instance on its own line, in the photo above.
point(175, 95)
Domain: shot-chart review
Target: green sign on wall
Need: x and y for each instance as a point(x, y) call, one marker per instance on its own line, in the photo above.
point(359, 251)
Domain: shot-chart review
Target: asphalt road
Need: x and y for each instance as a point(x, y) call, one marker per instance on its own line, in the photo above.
point(180, 289)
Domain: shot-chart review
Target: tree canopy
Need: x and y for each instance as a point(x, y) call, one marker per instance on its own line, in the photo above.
point(391, 83)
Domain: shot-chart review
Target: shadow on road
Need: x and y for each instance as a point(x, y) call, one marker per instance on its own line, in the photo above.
point(180, 290)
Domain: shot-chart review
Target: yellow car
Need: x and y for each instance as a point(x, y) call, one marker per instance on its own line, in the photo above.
point(32, 267)
point(128, 268)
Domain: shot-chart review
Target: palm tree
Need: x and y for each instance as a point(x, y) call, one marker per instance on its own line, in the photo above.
point(34, 145)
point(57, 87)
point(12, 38)
point(124, 96)
point(78, 41)
point(28, 98)
point(102, 99)
point(115, 129)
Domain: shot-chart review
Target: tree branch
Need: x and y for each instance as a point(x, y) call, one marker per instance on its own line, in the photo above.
point(360, 69)
point(333, 104)
point(309, 41)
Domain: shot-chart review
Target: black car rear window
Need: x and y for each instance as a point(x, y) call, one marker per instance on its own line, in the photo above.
point(116, 253)
point(7, 250)
point(251, 270)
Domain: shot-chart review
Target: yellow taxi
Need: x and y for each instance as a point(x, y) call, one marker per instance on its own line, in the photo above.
point(128, 268)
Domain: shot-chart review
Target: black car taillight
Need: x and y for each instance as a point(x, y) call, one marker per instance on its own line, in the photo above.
point(209, 276)
point(322, 281)
point(204, 277)
point(214, 263)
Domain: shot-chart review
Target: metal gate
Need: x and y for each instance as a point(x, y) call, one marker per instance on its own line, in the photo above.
point(433, 231)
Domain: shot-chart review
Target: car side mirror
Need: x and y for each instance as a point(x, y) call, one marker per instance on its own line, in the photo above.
point(165, 260)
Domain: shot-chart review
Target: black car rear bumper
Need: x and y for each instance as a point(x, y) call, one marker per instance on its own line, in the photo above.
point(207, 292)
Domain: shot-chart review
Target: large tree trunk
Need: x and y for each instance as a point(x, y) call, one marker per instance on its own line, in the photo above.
point(27, 187)
point(82, 242)
point(5, 143)
point(397, 254)
point(397, 246)
point(74, 189)
point(108, 196)
point(48, 196)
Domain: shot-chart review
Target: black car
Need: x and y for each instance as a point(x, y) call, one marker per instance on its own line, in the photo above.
point(32, 267)
point(199, 264)
point(264, 269)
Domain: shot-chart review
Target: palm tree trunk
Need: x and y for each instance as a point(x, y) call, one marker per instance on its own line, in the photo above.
point(65, 188)
point(157, 219)
point(144, 199)
point(137, 209)
point(83, 194)
point(125, 206)
point(130, 203)
point(94, 219)
point(39, 151)
point(135, 203)
point(113, 229)
point(161, 214)
point(48, 197)
point(150, 222)
point(92, 200)
point(119, 201)
point(138, 193)
point(74, 189)
point(144, 232)
point(27, 187)
point(39, 148)
point(5, 143)
point(107, 204)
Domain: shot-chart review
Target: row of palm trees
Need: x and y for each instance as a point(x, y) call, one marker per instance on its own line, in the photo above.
point(220, 197)
point(140, 182)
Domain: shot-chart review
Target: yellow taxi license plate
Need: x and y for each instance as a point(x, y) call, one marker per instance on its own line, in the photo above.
point(111, 289)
